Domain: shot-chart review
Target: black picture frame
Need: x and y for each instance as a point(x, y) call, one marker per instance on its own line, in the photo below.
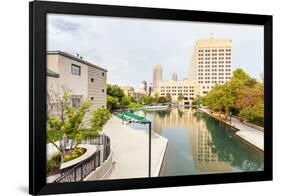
point(37, 96)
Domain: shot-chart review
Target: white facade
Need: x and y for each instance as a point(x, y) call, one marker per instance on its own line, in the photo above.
point(211, 63)
point(81, 78)
point(189, 89)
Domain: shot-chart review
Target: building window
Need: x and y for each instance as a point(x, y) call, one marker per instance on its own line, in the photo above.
point(92, 79)
point(75, 69)
point(75, 101)
point(102, 90)
point(92, 98)
point(103, 74)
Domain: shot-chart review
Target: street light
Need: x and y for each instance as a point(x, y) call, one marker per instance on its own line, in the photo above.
point(230, 117)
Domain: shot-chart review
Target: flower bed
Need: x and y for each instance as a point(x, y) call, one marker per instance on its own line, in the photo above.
point(53, 165)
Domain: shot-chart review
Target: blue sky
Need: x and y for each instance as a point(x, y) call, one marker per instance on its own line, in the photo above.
point(128, 48)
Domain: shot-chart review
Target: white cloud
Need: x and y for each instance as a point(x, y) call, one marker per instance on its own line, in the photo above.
point(129, 48)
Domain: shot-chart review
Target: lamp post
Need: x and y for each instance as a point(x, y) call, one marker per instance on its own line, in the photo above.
point(230, 117)
point(149, 150)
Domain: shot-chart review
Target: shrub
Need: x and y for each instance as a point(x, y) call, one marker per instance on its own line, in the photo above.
point(75, 153)
point(54, 163)
point(134, 105)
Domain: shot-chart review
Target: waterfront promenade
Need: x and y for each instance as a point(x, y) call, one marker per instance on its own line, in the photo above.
point(130, 150)
point(251, 135)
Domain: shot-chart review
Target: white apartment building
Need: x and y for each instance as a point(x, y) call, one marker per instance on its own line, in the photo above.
point(189, 89)
point(83, 79)
point(211, 63)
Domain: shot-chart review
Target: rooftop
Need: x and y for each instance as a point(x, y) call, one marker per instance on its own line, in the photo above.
point(52, 73)
point(75, 58)
point(213, 42)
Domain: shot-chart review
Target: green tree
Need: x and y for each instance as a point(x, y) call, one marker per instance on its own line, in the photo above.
point(169, 97)
point(147, 100)
point(162, 100)
point(115, 91)
point(156, 98)
point(253, 113)
point(134, 105)
point(98, 119)
point(213, 98)
point(198, 100)
point(242, 94)
point(241, 77)
point(125, 101)
point(180, 97)
point(112, 102)
point(65, 121)
point(250, 102)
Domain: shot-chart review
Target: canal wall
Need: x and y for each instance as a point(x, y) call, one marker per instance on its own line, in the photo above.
point(248, 134)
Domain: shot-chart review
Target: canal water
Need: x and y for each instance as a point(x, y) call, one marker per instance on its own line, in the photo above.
point(200, 144)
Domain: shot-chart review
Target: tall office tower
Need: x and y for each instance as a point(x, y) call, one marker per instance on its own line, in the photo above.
point(211, 63)
point(174, 76)
point(157, 77)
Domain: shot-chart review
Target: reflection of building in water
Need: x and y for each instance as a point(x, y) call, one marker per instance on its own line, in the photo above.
point(175, 118)
point(205, 159)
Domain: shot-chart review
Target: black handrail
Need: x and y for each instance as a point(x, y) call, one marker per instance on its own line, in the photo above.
point(79, 171)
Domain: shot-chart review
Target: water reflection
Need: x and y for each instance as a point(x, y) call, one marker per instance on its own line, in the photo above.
point(200, 144)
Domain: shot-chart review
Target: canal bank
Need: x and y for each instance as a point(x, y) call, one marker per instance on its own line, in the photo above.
point(130, 150)
point(248, 134)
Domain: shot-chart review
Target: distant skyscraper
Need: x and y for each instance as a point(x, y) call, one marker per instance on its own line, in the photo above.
point(211, 63)
point(150, 89)
point(174, 76)
point(157, 76)
point(143, 87)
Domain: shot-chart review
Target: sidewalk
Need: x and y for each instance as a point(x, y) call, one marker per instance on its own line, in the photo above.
point(130, 150)
point(249, 134)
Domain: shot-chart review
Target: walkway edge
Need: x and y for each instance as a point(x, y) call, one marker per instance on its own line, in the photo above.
point(158, 168)
point(237, 133)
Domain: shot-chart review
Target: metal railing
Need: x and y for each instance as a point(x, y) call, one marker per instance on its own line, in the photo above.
point(79, 171)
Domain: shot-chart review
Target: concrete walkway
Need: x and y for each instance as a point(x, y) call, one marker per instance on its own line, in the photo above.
point(249, 134)
point(130, 150)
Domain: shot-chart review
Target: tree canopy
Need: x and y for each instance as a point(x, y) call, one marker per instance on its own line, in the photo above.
point(242, 95)
point(66, 122)
point(115, 91)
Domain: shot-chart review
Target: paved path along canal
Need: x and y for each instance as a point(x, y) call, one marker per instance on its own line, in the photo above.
point(130, 150)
